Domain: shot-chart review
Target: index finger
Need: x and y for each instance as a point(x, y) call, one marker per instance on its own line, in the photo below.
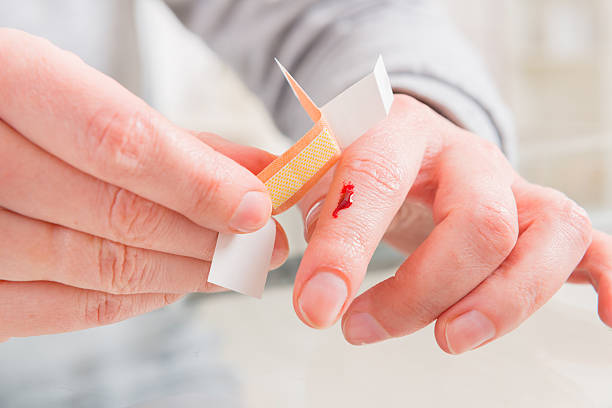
point(88, 120)
point(381, 166)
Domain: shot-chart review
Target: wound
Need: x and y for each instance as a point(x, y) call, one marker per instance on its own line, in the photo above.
point(346, 198)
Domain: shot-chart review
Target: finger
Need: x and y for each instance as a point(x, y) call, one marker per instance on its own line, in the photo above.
point(555, 235)
point(66, 196)
point(604, 291)
point(280, 253)
point(381, 166)
point(312, 203)
point(410, 227)
point(596, 268)
point(88, 120)
point(36, 308)
point(33, 250)
point(255, 160)
point(41, 186)
point(476, 228)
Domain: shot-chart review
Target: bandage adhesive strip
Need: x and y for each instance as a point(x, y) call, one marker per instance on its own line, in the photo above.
point(241, 261)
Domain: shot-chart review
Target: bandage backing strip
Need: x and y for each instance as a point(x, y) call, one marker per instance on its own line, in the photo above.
point(349, 116)
point(241, 262)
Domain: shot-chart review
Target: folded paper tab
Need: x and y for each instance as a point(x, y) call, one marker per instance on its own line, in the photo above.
point(361, 107)
point(241, 262)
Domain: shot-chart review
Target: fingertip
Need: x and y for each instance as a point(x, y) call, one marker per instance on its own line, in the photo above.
point(281, 247)
point(468, 331)
point(605, 300)
point(252, 213)
point(322, 299)
point(440, 335)
point(362, 328)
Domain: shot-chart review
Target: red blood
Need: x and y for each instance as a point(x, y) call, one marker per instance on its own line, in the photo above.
point(346, 199)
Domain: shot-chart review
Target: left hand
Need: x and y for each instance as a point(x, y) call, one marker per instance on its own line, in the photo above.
point(500, 248)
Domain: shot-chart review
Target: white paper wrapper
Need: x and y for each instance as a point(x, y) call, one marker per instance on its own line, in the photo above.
point(361, 107)
point(241, 261)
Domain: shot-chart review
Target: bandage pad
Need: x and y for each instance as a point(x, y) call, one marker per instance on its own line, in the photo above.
point(292, 174)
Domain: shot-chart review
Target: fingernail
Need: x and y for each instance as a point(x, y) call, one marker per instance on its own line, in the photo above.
point(252, 212)
point(468, 331)
point(362, 328)
point(310, 222)
point(322, 299)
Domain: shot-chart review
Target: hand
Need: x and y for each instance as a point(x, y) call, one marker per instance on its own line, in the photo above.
point(108, 210)
point(596, 269)
point(500, 248)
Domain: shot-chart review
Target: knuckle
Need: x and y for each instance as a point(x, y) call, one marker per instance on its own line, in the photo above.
point(120, 142)
point(490, 152)
point(101, 308)
point(558, 208)
point(133, 219)
point(580, 222)
point(496, 226)
point(376, 171)
point(122, 270)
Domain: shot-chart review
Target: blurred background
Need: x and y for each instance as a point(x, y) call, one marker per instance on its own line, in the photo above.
point(552, 60)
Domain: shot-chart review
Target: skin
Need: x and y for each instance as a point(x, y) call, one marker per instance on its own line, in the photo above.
point(499, 249)
point(107, 210)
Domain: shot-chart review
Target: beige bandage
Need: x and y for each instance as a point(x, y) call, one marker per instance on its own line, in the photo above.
point(291, 175)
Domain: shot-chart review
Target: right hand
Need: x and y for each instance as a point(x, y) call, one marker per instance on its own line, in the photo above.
point(107, 210)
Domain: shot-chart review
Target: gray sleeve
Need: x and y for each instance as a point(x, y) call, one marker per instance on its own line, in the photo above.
point(329, 44)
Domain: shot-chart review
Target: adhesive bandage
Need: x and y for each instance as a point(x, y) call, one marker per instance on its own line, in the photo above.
point(241, 262)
